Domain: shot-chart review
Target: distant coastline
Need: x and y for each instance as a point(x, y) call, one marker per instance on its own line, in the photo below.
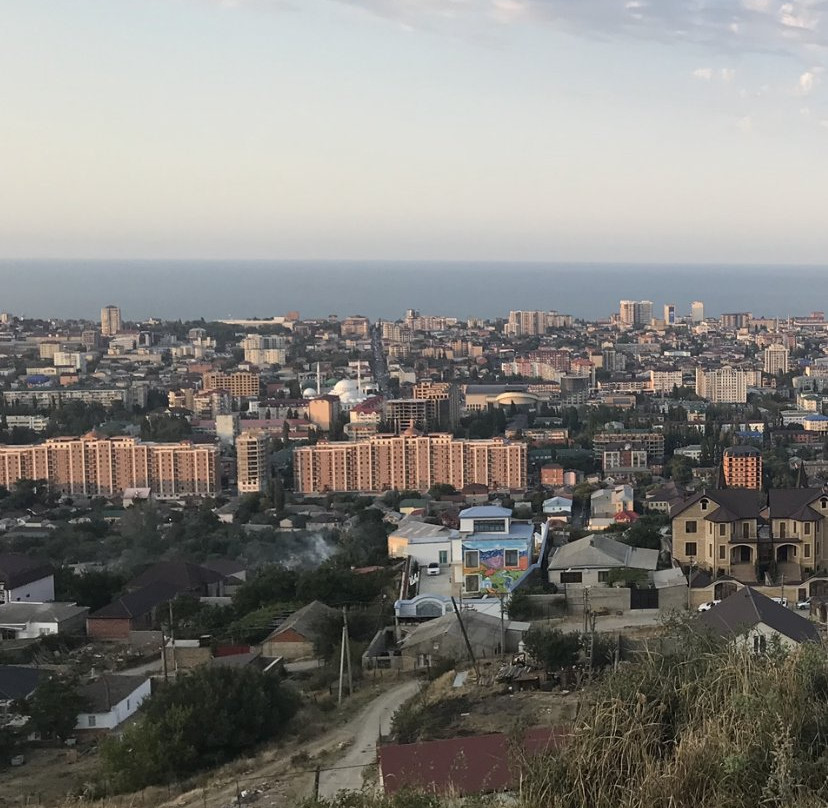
point(213, 289)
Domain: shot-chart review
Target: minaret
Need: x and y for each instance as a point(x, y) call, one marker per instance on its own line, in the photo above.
point(359, 376)
point(318, 380)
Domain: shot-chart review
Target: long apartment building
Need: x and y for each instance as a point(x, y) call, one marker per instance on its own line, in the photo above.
point(96, 466)
point(409, 461)
point(241, 384)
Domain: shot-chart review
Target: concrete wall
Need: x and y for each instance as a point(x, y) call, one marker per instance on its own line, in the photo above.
point(290, 650)
point(600, 597)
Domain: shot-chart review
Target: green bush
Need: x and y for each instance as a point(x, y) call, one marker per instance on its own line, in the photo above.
point(201, 720)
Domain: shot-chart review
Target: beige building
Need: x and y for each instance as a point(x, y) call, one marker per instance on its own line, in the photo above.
point(110, 321)
point(726, 385)
point(409, 461)
point(323, 412)
point(96, 466)
point(775, 359)
point(253, 468)
point(446, 398)
point(241, 384)
point(730, 531)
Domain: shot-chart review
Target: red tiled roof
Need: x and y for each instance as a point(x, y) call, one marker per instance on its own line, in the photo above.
point(473, 765)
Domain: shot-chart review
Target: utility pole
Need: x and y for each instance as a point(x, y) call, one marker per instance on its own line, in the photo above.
point(502, 627)
point(347, 641)
point(689, 583)
point(341, 663)
point(466, 638)
point(172, 639)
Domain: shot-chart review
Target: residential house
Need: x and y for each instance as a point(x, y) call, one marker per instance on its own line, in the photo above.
point(110, 700)
point(495, 551)
point(607, 503)
point(588, 561)
point(134, 611)
point(664, 498)
point(558, 508)
point(732, 531)
point(193, 579)
point(751, 619)
point(443, 638)
point(23, 578)
point(423, 542)
point(27, 620)
point(296, 636)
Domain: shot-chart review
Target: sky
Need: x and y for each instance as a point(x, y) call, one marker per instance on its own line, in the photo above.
point(526, 130)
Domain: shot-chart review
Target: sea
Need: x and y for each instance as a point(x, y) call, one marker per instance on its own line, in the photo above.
point(213, 289)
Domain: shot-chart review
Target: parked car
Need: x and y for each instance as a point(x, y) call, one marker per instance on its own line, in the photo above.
point(433, 568)
point(781, 601)
point(804, 604)
point(706, 607)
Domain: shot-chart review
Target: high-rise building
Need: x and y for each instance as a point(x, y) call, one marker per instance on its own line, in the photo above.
point(670, 313)
point(409, 461)
point(776, 359)
point(265, 349)
point(697, 311)
point(635, 313)
point(110, 321)
point(252, 465)
point(95, 466)
point(742, 467)
point(446, 398)
point(724, 385)
point(738, 319)
point(534, 323)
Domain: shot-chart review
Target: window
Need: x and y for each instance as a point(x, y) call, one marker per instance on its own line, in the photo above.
point(722, 551)
point(489, 525)
point(807, 529)
point(472, 583)
point(807, 551)
point(92, 721)
point(723, 530)
point(690, 548)
point(704, 503)
point(690, 527)
point(471, 559)
point(746, 531)
point(571, 577)
point(760, 643)
point(603, 576)
point(443, 556)
point(510, 558)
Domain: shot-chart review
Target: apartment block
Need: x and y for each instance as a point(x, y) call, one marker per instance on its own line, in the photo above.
point(535, 323)
point(252, 465)
point(409, 461)
point(775, 359)
point(651, 442)
point(241, 384)
point(265, 349)
point(446, 399)
point(724, 385)
point(742, 467)
point(95, 466)
point(110, 321)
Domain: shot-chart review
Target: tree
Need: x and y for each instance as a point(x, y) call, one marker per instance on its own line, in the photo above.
point(273, 584)
point(94, 588)
point(199, 721)
point(54, 707)
point(553, 648)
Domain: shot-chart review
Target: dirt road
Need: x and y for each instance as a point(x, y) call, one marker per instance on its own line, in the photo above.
point(346, 773)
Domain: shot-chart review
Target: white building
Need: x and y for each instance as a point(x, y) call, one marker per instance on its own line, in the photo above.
point(265, 349)
point(111, 699)
point(24, 621)
point(725, 385)
point(663, 381)
point(697, 311)
point(25, 579)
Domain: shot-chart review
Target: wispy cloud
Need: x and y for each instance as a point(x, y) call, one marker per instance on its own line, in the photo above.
point(727, 25)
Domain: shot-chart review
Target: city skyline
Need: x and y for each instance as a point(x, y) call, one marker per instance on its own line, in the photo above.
point(510, 129)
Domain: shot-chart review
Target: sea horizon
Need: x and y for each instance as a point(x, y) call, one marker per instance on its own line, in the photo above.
point(191, 289)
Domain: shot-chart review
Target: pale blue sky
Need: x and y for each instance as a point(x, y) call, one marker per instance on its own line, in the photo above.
point(560, 130)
